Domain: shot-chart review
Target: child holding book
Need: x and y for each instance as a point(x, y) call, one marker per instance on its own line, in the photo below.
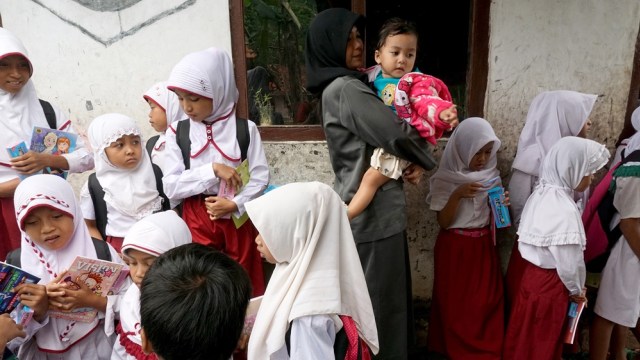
point(551, 239)
point(145, 241)
point(9, 330)
point(317, 296)
point(421, 100)
point(125, 174)
point(467, 309)
point(193, 302)
point(20, 111)
point(164, 110)
point(206, 88)
point(53, 234)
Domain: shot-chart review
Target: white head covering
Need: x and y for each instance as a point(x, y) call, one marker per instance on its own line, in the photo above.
point(633, 144)
point(467, 139)
point(132, 192)
point(21, 111)
point(167, 100)
point(635, 119)
point(209, 73)
point(551, 216)
point(53, 192)
point(154, 235)
point(552, 115)
point(305, 227)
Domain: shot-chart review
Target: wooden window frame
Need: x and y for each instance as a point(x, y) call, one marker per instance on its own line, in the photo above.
point(476, 73)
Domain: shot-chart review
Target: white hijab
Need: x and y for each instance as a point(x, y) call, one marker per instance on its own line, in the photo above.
point(551, 216)
point(209, 73)
point(53, 192)
point(633, 144)
point(467, 139)
point(552, 115)
point(21, 111)
point(167, 100)
point(154, 235)
point(132, 192)
point(305, 227)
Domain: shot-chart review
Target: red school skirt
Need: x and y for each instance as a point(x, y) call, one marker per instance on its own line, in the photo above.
point(238, 244)
point(538, 316)
point(9, 230)
point(467, 308)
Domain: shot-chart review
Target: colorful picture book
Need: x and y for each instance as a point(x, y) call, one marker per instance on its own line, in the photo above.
point(18, 150)
point(52, 141)
point(250, 317)
point(573, 317)
point(229, 193)
point(101, 276)
point(10, 277)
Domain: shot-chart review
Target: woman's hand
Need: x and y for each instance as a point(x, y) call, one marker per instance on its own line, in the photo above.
point(229, 175)
point(219, 207)
point(413, 174)
point(35, 297)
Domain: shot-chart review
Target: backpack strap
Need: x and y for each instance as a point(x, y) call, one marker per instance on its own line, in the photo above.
point(151, 143)
point(102, 252)
point(49, 113)
point(99, 205)
point(184, 143)
point(157, 172)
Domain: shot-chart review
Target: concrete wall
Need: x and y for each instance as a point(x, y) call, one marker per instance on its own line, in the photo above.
point(111, 56)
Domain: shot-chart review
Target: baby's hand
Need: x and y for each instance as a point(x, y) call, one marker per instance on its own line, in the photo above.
point(450, 116)
point(469, 190)
point(228, 174)
point(35, 297)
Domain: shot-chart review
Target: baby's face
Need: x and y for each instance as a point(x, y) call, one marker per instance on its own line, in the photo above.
point(398, 55)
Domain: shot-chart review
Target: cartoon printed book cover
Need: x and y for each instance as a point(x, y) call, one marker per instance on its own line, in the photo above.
point(10, 277)
point(18, 150)
point(101, 276)
point(55, 142)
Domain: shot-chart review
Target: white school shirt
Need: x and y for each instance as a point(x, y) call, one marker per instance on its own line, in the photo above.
point(118, 223)
point(200, 179)
point(312, 338)
point(159, 157)
point(80, 160)
point(472, 213)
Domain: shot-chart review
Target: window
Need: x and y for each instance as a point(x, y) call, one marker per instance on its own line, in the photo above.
point(271, 35)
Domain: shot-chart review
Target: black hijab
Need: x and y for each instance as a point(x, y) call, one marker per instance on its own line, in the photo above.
point(326, 47)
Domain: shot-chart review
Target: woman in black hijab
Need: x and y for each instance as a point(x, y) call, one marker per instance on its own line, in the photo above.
point(355, 122)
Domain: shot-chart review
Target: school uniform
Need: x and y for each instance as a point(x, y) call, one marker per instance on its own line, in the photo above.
point(130, 194)
point(56, 338)
point(467, 308)
point(19, 113)
point(153, 235)
point(619, 293)
point(551, 241)
point(214, 141)
point(317, 287)
point(552, 115)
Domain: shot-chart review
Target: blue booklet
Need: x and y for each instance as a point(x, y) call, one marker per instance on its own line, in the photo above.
point(55, 142)
point(10, 277)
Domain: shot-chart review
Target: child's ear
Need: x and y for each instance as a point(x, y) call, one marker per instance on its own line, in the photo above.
point(376, 56)
point(146, 344)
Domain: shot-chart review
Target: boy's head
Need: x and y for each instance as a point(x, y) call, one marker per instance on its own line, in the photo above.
point(116, 138)
point(15, 67)
point(192, 304)
point(151, 237)
point(205, 84)
point(397, 47)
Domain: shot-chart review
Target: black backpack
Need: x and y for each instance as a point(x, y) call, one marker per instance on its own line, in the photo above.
point(49, 113)
point(100, 206)
point(102, 251)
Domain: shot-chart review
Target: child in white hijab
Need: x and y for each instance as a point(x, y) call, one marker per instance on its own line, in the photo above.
point(621, 148)
point(164, 110)
point(467, 312)
point(318, 286)
point(206, 88)
point(20, 111)
point(126, 175)
point(551, 241)
point(53, 234)
point(147, 239)
point(552, 115)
